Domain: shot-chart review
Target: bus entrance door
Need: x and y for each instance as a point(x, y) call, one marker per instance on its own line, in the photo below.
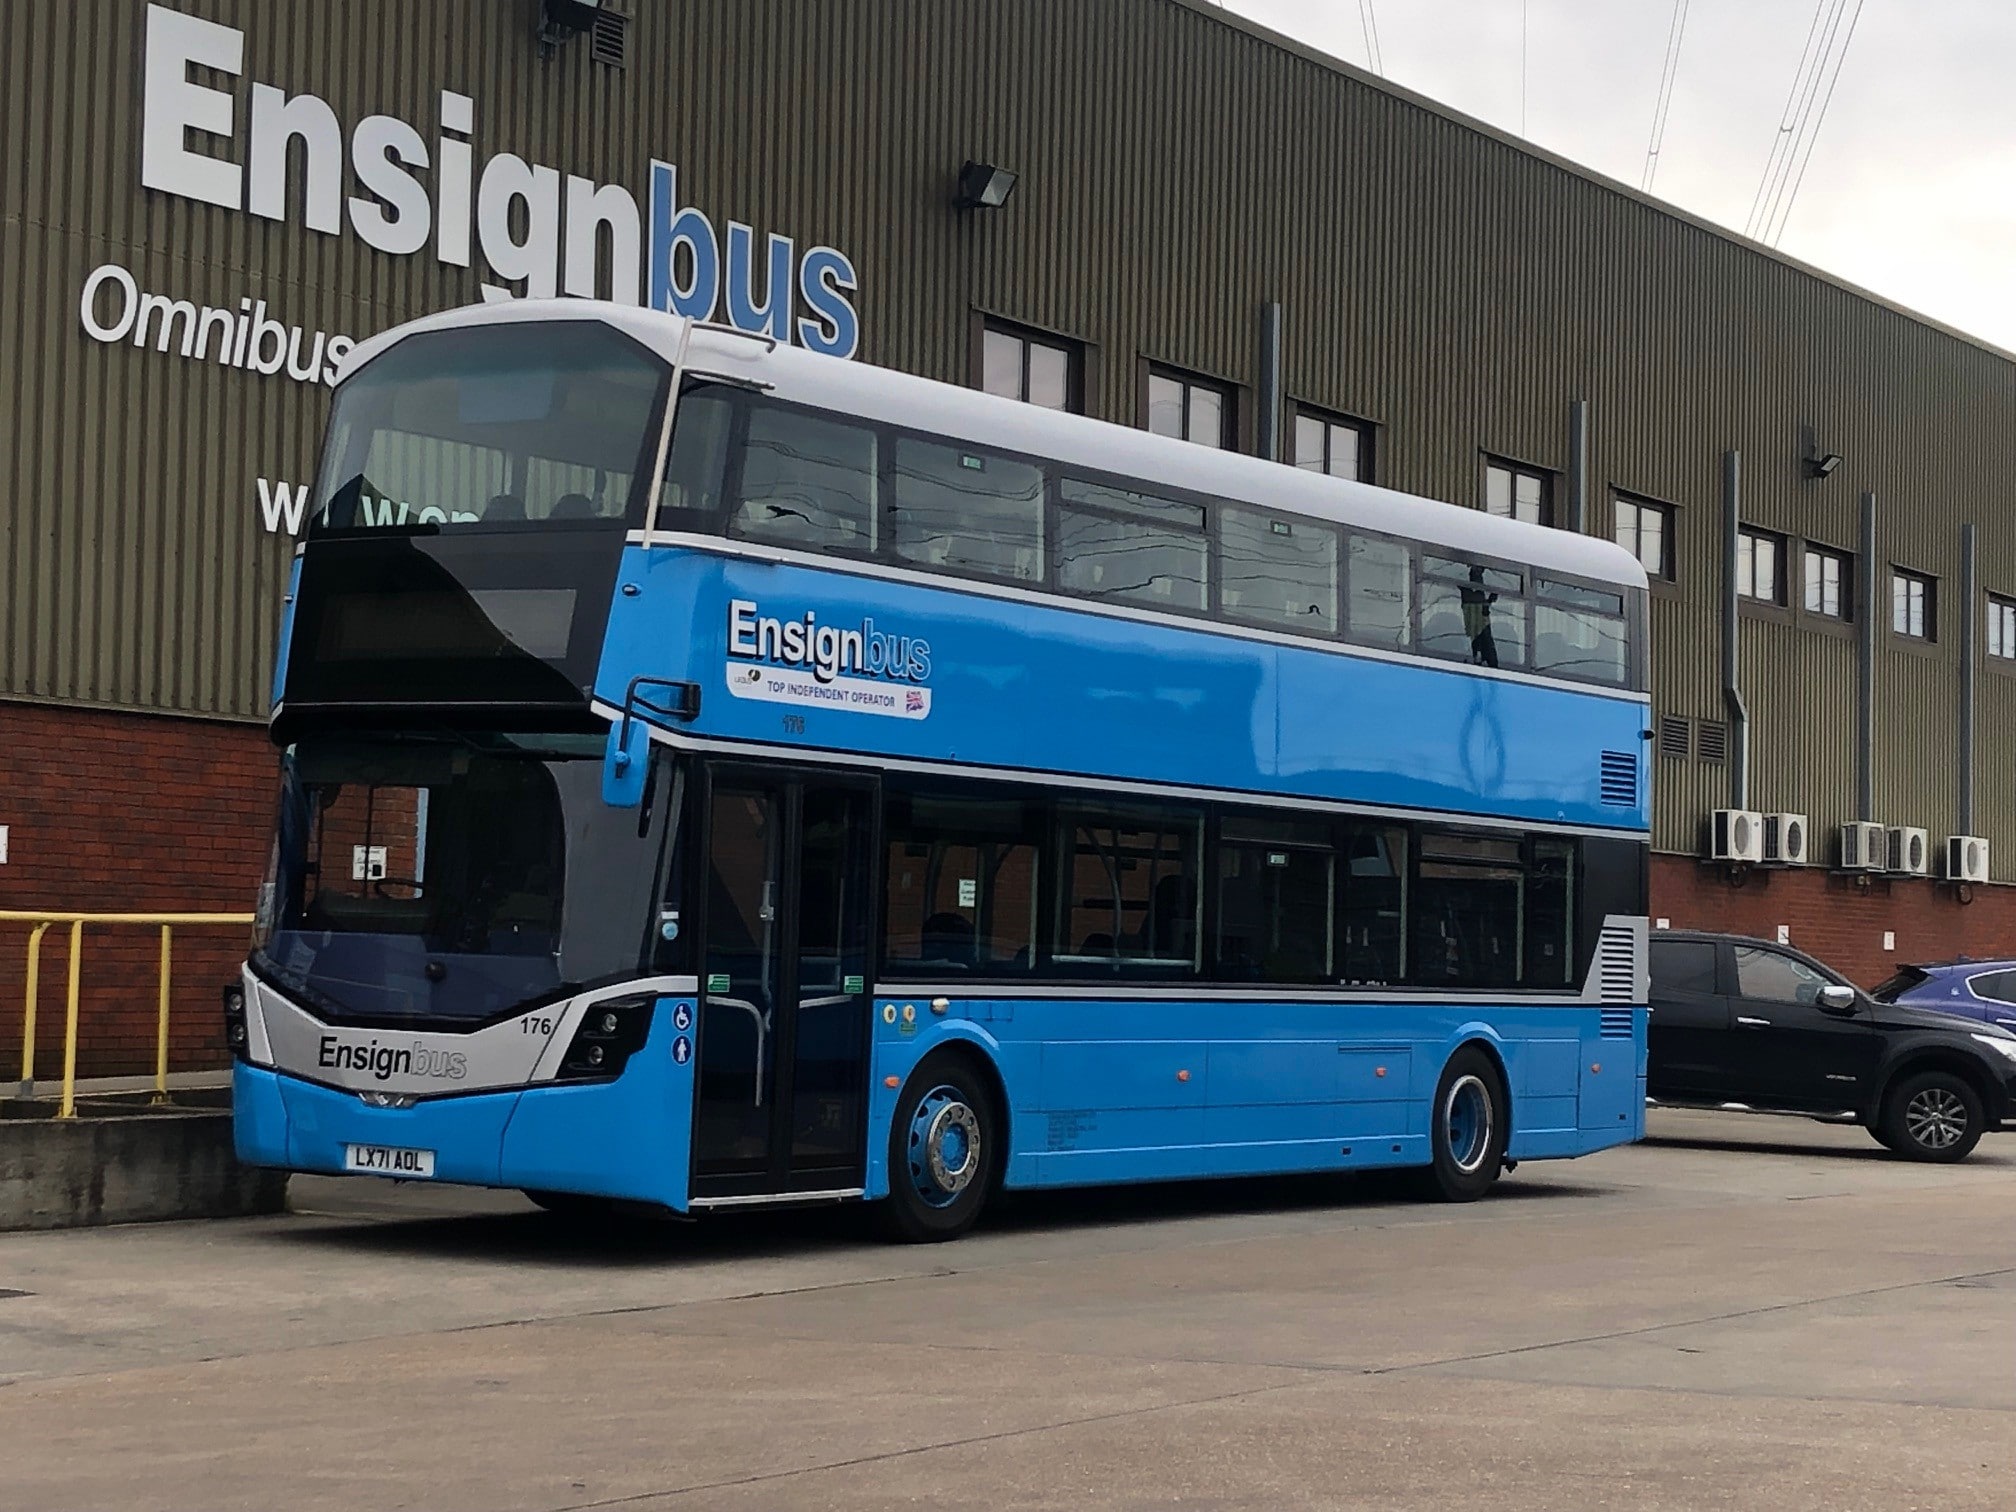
point(784, 1032)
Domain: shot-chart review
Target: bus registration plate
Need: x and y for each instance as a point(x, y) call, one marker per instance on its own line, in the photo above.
point(387, 1160)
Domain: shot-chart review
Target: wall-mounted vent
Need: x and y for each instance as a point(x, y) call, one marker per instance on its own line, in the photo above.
point(609, 38)
point(1619, 779)
point(1676, 737)
point(1711, 740)
point(1615, 1023)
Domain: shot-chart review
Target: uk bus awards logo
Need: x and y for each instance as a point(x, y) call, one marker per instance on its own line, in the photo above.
point(858, 669)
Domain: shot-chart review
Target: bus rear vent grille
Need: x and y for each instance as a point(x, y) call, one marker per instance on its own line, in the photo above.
point(1620, 779)
point(1616, 965)
point(1616, 1023)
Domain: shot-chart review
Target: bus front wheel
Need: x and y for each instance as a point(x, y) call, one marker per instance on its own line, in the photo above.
point(945, 1149)
point(1468, 1127)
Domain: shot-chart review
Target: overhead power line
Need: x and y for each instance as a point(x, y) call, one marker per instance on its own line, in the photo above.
point(1669, 70)
point(1781, 141)
point(1785, 214)
point(1370, 22)
point(1812, 91)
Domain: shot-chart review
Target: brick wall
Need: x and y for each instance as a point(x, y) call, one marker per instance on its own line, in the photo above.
point(128, 813)
point(1839, 919)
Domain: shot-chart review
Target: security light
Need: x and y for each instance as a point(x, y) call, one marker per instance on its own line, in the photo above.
point(1823, 465)
point(982, 186)
point(562, 19)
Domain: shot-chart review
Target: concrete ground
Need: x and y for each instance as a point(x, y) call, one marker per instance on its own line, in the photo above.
point(1742, 1312)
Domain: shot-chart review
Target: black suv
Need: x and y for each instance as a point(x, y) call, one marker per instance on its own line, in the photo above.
point(1746, 1024)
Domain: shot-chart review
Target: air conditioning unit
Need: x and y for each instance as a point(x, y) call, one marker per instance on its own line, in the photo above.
point(1738, 836)
point(1785, 839)
point(1862, 846)
point(1966, 858)
point(1907, 852)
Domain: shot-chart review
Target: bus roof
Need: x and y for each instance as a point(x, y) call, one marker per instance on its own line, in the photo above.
point(802, 377)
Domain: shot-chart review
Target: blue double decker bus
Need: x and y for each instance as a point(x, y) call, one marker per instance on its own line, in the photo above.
point(719, 775)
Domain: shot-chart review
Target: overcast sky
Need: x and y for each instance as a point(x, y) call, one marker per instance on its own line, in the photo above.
point(1911, 189)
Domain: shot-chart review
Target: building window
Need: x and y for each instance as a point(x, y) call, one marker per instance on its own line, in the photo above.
point(1828, 575)
point(1760, 566)
point(1331, 444)
point(1911, 607)
point(1518, 493)
point(1039, 370)
point(1645, 530)
point(1189, 408)
point(2001, 627)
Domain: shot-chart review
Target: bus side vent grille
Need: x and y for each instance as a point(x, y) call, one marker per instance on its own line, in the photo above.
point(1620, 779)
point(1616, 1023)
point(609, 38)
point(1616, 965)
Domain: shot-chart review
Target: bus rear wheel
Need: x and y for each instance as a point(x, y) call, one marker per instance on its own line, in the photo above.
point(1468, 1127)
point(945, 1151)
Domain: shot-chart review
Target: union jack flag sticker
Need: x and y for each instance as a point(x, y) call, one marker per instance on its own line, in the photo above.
point(912, 701)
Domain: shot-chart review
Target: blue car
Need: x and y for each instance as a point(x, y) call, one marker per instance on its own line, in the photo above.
point(1984, 991)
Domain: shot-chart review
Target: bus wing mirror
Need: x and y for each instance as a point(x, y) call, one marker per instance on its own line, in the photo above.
point(625, 762)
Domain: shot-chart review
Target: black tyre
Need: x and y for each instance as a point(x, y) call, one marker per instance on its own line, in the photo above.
point(946, 1150)
point(1468, 1127)
point(1933, 1116)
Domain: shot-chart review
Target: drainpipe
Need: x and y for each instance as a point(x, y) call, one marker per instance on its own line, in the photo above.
point(1970, 619)
point(1578, 465)
point(1732, 681)
point(1865, 670)
point(1269, 417)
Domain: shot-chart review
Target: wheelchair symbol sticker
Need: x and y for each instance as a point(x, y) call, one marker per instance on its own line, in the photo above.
point(682, 1018)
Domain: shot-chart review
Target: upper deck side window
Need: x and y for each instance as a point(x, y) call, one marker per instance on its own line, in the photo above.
point(522, 425)
point(764, 470)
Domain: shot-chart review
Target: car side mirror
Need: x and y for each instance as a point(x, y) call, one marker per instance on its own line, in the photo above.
point(1837, 999)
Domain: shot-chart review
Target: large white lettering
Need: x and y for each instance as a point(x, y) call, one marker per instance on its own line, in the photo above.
point(535, 237)
point(113, 307)
point(175, 107)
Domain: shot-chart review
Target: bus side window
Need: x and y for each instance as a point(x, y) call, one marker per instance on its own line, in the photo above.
point(807, 481)
point(960, 885)
point(1380, 584)
point(1127, 893)
point(1278, 572)
point(1374, 915)
point(694, 472)
point(1277, 885)
point(967, 511)
point(1467, 910)
point(1117, 545)
point(1579, 632)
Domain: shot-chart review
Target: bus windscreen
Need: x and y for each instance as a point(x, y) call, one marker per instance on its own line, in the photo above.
point(520, 426)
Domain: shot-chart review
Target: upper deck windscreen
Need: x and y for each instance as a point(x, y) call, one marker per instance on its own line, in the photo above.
point(517, 426)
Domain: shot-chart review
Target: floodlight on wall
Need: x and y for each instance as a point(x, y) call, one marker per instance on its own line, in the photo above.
point(1823, 465)
point(982, 186)
point(562, 20)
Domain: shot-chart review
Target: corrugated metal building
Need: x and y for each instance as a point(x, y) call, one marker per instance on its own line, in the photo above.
point(1449, 303)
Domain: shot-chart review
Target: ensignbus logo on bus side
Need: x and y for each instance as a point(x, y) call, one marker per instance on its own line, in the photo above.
point(856, 668)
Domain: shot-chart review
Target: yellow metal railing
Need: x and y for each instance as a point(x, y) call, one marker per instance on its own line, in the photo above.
point(44, 920)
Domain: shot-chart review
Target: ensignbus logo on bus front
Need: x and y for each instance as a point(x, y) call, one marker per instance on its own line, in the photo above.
point(858, 669)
